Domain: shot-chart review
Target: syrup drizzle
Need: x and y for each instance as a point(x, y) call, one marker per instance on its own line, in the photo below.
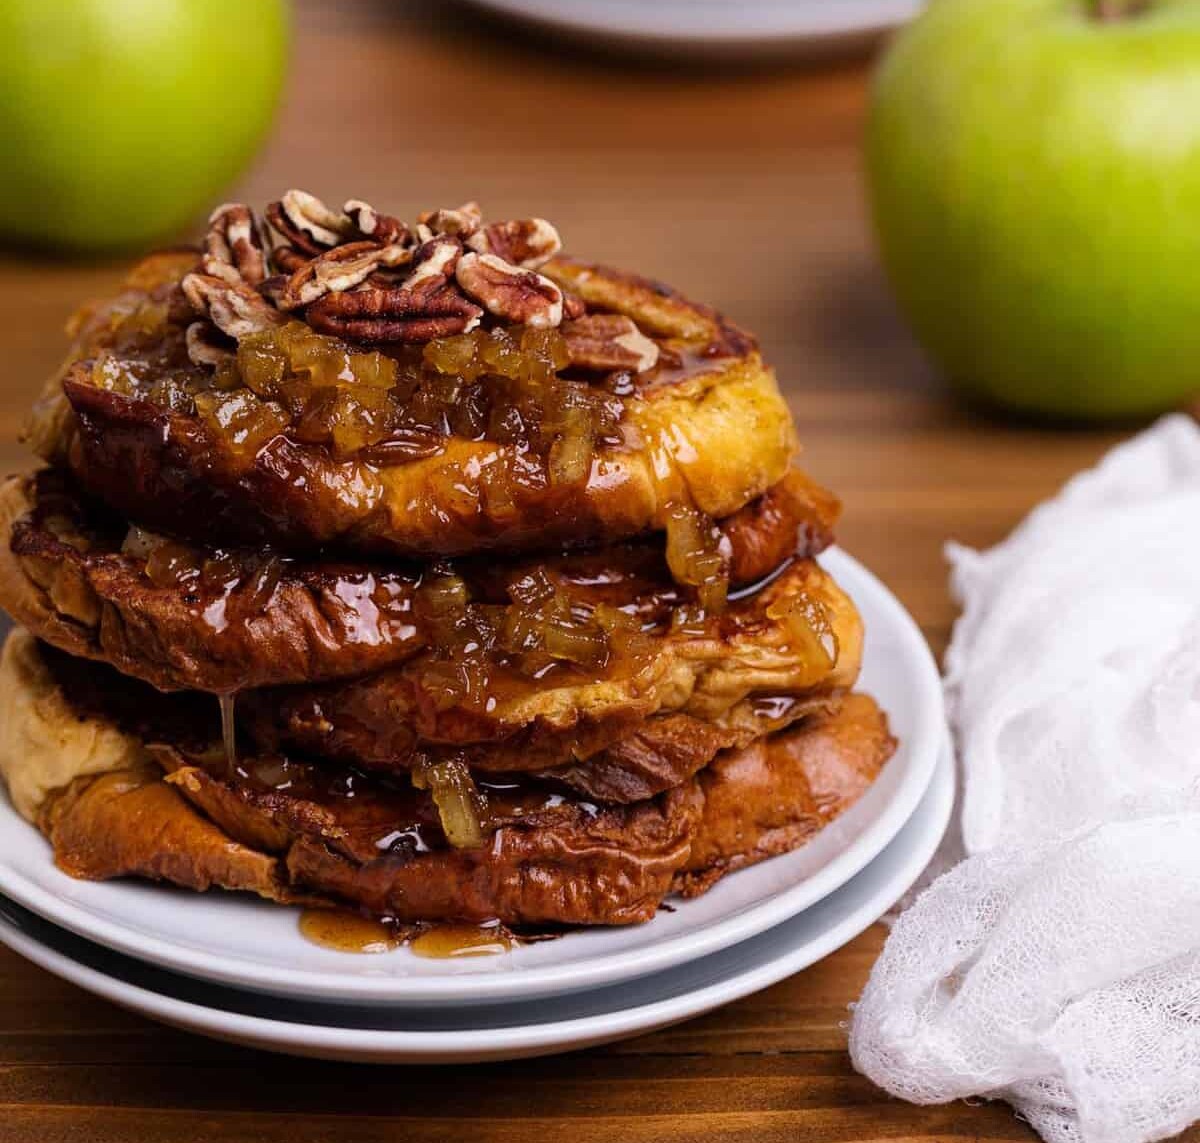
point(228, 729)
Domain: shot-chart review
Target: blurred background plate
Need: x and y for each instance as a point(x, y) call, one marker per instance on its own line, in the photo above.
point(723, 26)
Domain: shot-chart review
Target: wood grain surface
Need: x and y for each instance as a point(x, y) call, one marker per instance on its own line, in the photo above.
point(743, 186)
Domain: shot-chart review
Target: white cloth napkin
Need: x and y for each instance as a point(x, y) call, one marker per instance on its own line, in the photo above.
point(1058, 966)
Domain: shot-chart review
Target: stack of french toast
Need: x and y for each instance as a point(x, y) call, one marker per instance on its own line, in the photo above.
point(424, 571)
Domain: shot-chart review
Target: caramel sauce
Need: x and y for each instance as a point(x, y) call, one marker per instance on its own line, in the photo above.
point(676, 365)
point(345, 931)
point(228, 729)
point(348, 932)
point(449, 942)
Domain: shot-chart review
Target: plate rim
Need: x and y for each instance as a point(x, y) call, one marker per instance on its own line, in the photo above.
point(402, 1046)
point(761, 23)
point(574, 976)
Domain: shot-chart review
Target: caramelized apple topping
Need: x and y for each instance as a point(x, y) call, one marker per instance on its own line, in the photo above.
point(809, 630)
point(532, 355)
point(459, 803)
point(214, 572)
point(698, 555)
point(500, 385)
point(543, 627)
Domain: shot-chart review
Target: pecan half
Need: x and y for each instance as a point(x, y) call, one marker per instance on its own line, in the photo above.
point(206, 345)
point(433, 266)
point(233, 246)
point(378, 314)
point(379, 227)
point(424, 306)
point(287, 259)
point(235, 309)
point(272, 289)
point(337, 270)
point(306, 223)
point(525, 242)
point(509, 292)
point(460, 223)
point(608, 341)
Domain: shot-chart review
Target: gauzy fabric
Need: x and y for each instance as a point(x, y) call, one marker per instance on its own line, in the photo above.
point(1058, 966)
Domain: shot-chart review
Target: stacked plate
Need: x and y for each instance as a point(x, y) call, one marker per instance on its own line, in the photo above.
point(237, 969)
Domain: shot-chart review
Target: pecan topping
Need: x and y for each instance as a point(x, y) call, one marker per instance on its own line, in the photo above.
point(206, 345)
point(287, 260)
point(305, 222)
point(525, 242)
point(235, 309)
point(460, 223)
point(339, 269)
point(509, 292)
point(433, 266)
point(364, 275)
point(381, 314)
point(233, 246)
point(380, 227)
point(272, 289)
point(608, 341)
point(424, 306)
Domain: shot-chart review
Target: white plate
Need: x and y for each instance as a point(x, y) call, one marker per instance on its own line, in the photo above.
point(497, 1031)
point(708, 25)
point(240, 940)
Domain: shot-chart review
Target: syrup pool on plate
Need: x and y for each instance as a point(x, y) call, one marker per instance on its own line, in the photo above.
point(345, 931)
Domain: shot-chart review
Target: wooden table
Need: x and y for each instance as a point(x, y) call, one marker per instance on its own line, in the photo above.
point(743, 187)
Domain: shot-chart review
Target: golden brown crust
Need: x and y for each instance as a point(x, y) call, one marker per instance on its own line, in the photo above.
point(666, 750)
point(66, 580)
point(793, 518)
point(130, 823)
point(30, 605)
point(612, 868)
point(44, 743)
point(657, 308)
point(772, 796)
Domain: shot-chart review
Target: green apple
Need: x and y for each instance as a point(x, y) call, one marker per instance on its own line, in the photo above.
point(1034, 171)
point(120, 120)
